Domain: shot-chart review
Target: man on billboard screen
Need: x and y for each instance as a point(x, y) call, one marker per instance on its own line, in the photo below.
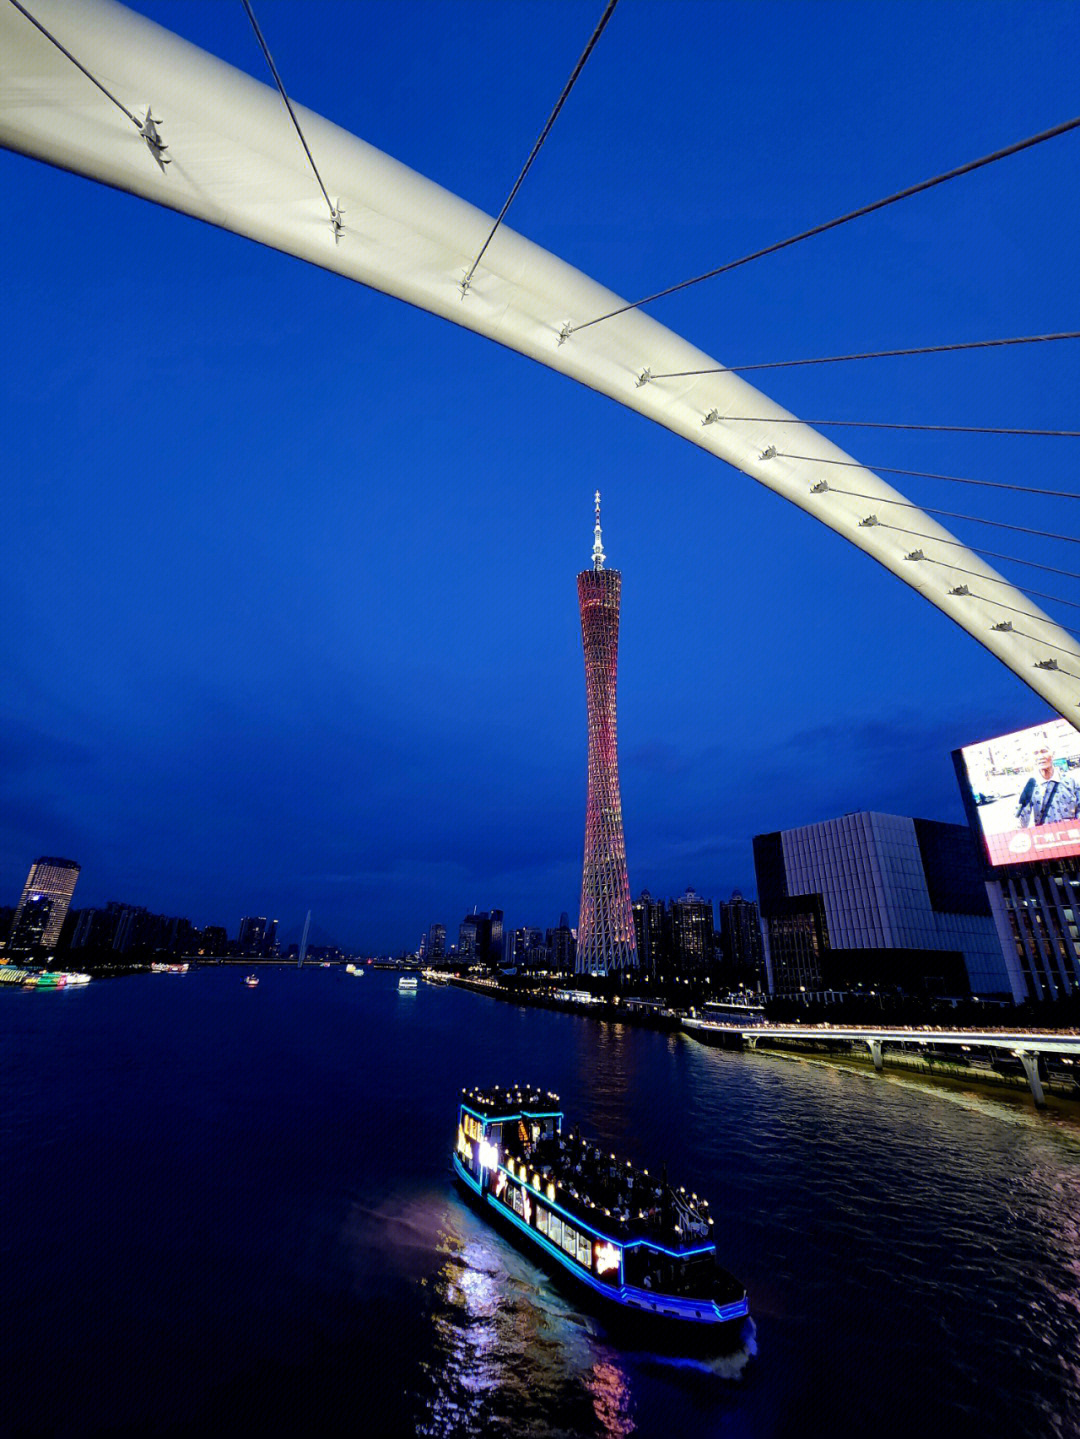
point(1050, 794)
point(1026, 792)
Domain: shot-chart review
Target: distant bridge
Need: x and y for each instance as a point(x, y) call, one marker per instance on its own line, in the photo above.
point(1027, 1046)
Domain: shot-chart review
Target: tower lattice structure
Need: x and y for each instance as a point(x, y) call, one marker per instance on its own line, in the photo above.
point(606, 939)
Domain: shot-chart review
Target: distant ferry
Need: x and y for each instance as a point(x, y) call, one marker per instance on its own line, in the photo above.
point(251, 980)
point(407, 982)
point(354, 969)
point(52, 979)
point(645, 1250)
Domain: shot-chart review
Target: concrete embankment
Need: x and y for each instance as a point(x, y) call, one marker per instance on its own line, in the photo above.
point(947, 1071)
point(613, 1011)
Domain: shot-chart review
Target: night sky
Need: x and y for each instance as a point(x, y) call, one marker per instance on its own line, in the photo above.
point(288, 568)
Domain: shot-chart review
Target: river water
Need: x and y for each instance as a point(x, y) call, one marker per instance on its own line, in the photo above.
point(231, 1210)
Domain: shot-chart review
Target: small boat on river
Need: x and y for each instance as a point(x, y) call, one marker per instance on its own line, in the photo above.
point(408, 984)
point(643, 1249)
point(251, 980)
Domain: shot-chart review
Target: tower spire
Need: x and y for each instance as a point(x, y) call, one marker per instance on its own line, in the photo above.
point(598, 544)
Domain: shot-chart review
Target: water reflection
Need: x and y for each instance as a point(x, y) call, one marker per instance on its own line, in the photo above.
point(505, 1347)
point(610, 1392)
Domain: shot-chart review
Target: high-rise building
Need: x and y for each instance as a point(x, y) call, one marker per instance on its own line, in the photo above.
point(252, 939)
point(480, 937)
point(525, 948)
point(876, 901)
point(562, 946)
point(43, 907)
point(691, 933)
point(494, 955)
point(741, 953)
point(436, 945)
point(215, 941)
point(606, 941)
point(466, 942)
point(652, 932)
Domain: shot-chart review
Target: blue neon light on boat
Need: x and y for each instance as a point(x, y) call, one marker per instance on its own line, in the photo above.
point(469, 1180)
point(669, 1304)
point(517, 1114)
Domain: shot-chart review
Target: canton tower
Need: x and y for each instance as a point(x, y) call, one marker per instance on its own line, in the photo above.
point(606, 929)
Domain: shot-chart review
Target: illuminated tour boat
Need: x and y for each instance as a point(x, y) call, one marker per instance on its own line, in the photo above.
point(643, 1248)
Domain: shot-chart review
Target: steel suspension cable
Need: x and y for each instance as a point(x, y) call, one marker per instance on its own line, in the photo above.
point(78, 65)
point(1046, 644)
point(540, 140)
point(931, 475)
point(881, 425)
point(335, 217)
point(952, 515)
point(965, 169)
point(1014, 610)
point(989, 554)
point(1000, 580)
point(867, 355)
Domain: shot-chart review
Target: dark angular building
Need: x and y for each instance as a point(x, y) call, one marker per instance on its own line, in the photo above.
point(876, 902)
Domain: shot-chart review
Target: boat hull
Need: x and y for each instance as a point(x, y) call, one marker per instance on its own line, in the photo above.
point(642, 1318)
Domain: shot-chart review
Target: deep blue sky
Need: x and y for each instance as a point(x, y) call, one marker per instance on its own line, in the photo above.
point(266, 647)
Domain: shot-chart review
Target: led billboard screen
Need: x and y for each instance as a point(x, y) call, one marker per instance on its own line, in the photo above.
point(1026, 792)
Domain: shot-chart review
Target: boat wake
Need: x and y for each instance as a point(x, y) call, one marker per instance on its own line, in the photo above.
point(728, 1367)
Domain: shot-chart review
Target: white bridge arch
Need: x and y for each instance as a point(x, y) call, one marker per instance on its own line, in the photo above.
point(236, 163)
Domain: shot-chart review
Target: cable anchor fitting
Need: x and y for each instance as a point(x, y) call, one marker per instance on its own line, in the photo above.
point(870, 520)
point(154, 143)
point(565, 333)
point(712, 418)
point(769, 454)
point(1046, 664)
point(960, 590)
point(336, 223)
point(819, 488)
point(915, 555)
point(643, 379)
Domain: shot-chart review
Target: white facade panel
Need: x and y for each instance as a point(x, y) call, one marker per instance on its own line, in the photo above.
point(868, 869)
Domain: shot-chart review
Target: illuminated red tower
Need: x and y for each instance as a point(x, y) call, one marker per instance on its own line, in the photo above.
point(606, 929)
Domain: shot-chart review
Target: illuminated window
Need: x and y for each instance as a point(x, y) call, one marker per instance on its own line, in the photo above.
point(542, 1216)
point(555, 1230)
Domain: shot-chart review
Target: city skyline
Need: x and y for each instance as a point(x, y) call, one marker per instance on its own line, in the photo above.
point(261, 519)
